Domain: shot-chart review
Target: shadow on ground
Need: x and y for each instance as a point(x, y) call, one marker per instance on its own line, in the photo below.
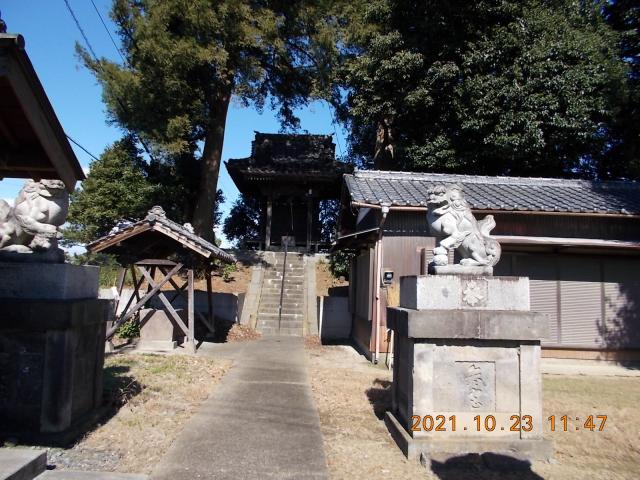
point(118, 388)
point(487, 466)
point(380, 397)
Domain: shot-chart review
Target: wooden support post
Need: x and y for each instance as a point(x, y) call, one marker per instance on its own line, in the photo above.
point(267, 231)
point(309, 221)
point(209, 295)
point(191, 339)
point(127, 314)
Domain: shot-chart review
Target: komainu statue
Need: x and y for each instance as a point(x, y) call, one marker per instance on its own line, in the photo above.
point(450, 219)
point(31, 226)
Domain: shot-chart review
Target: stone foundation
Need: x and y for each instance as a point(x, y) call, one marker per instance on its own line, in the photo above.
point(51, 352)
point(467, 377)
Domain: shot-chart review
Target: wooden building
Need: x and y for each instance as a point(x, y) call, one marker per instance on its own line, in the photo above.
point(577, 241)
point(32, 141)
point(290, 175)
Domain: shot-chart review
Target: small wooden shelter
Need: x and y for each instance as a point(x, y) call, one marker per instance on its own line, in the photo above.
point(145, 248)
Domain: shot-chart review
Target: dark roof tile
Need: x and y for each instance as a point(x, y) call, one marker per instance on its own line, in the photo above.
point(498, 193)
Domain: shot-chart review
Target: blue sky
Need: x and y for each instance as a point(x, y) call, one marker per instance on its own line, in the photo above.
point(50, 35)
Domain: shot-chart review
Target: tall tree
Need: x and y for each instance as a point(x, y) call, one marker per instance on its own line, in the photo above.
point(186, 60)
point(489, 87)
point(116, 188)
point(122, 186)
point(624, 18)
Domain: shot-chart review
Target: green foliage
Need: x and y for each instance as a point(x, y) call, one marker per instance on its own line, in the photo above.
point(487, 87)
point(117, 188)
point(129, 329)
point(186, 60)
point(228, 270)
point(109, 267)
point(243, 222)
point(340, 262)
point(121, 186)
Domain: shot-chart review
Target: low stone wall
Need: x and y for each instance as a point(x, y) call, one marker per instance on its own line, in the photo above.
point(336, 318)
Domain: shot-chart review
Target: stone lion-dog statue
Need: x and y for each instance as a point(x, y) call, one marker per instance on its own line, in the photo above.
point(450, 219)
point(32, 225)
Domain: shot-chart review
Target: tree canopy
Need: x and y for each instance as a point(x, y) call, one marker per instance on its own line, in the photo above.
point(122, 186)
point(492, 87)
point(186, 60)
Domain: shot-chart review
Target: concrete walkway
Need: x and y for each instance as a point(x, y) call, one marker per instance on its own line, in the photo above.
point(260, 422)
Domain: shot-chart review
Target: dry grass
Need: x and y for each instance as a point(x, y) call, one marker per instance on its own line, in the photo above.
point(242, 333)
point(352, 395)
point(159, 394)
point(325, 279)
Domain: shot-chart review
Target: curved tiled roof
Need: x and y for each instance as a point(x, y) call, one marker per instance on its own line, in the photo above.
point(498, 193)
point(156, 220)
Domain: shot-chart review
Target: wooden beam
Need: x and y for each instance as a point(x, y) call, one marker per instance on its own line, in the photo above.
point(191, 337)
point(207, 274)
point(186, 330)
point(267, 234)
point(108, 242)
point(150, 294)
point(120, 320)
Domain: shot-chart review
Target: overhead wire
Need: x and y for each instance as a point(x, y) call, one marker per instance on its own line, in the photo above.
point(81, 147)
point(108, 32)
point(95, 57)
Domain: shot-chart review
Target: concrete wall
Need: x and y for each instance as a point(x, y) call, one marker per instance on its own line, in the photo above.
point(226, 306)
point(336, 318)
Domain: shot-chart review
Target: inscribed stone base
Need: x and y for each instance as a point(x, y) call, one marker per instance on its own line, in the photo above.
point(466, 370)
point(415, 448)
point(452, 292)
point(458, 269)
point(51, 363)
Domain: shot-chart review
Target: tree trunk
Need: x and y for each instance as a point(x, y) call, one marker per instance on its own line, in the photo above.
point(210, 168)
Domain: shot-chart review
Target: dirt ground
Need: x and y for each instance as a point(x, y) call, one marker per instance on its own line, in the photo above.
point(325, 279)
point(238, 281)
point(352, 396)
point(155, 395)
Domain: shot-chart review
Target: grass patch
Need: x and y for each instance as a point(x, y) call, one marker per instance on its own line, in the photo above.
point(154, 395)
point(352, 395)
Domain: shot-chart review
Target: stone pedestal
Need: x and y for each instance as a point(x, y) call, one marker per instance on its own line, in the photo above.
point(467, 367)
point(160, 332)
point(52, 334)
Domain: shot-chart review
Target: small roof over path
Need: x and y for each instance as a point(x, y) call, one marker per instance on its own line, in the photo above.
point(402, 189)
point(32, 141)
point(156, 236)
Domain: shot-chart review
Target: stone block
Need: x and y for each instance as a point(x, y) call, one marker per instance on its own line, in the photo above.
point(21, 463)
point(467, 367)
point(453, 292)
point(471, 324)
point(159, 331)
point(48, 281)
point(51, 362)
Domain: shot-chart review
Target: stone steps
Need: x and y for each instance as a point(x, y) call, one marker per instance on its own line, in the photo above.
point(30, 464)
point(295, 332)
point(291, 291)
point(21, 463)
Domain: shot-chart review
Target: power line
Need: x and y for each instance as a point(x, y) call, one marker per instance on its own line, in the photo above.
point(86, 40)
point(108, 32)
point(99, 65)
point(81, 147)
